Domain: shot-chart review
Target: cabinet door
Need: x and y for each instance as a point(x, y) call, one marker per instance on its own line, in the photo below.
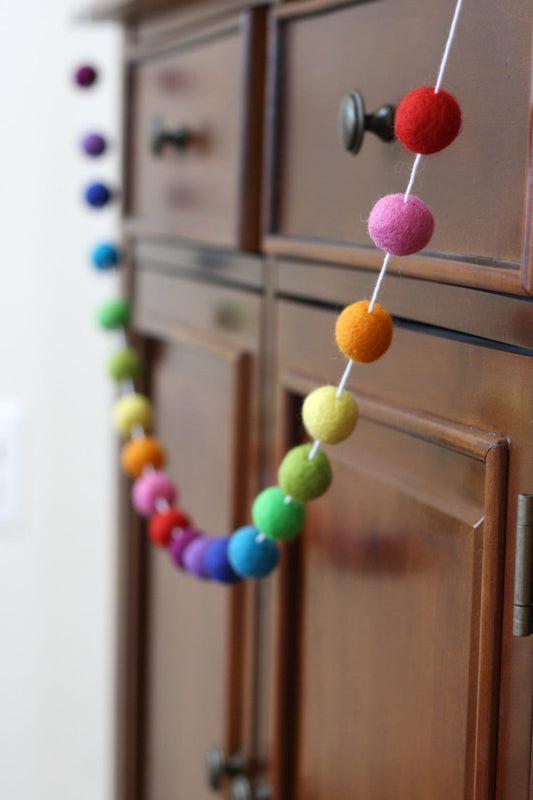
point(193, 629)
point(188, 638)
point(390, 602)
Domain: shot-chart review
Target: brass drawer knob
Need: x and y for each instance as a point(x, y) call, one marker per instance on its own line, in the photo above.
point(352, 122)
point(241, 789)
point(178, 138)
point(217, 766)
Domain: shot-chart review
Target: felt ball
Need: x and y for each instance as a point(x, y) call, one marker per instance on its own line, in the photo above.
point(304, 478)
point(217, 564)
point(329, 418)
point(275, 517)
point(85, 76)
point(114, 314)
point(426, 122)
point(194, 557)
point(105, 256)
point(132, 410)
point(162, 523)
point(362, 336)
point(250, 554)
point(149, 488)
point(97, 195)
point(140, 453)
point(93, 144)
point(400, 226)
point(178, 544)
point(124, 364)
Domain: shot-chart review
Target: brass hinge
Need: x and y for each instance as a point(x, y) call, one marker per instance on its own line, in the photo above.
point(523, 576)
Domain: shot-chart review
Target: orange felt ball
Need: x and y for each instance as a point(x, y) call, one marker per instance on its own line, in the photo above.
point(139, 453)
point(362, 336)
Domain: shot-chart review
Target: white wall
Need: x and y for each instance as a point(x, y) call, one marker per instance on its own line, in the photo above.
point(57, 558)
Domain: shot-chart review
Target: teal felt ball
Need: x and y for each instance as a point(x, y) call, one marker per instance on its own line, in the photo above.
point(250, 554)
point(304, 478)
point(125, 364)
point(105, 256)
point(276, 518)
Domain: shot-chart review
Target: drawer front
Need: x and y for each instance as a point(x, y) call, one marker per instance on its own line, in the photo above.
point(166, 303)
point(475, 188)
point(194, 191)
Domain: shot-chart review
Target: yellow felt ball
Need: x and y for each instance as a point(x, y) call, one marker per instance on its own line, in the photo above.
point(131, 410)
point(329, 418)
point(364, 336)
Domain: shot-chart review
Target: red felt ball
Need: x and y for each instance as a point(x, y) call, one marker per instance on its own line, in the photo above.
point(163, 523)
point(426, 122)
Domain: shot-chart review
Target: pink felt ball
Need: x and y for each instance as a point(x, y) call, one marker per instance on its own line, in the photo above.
point(148, 489)
point(399, 226)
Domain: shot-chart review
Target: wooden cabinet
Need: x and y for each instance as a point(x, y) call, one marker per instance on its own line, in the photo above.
point(379, 660)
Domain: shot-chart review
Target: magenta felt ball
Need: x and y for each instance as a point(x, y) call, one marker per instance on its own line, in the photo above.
point(400, 227)
point(194, 557)
point(148, 489)
point(178, 544)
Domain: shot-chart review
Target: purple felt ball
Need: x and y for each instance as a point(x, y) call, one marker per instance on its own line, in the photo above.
point(93, 144)
point(216, 561)
point(399, 226)
point(194, 557)
point(150, 488)
point(178, 544)
point(85, 76)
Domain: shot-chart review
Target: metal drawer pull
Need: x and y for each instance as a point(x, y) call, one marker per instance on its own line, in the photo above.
point(352, 122)
point(179, 138)
point(241, 789)
point(217, 766)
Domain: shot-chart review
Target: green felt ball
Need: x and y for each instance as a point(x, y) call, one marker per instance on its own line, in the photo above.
point(114, 314)
point(276, 518)
point(329, 418)
point(304, 478)
point(125, 364)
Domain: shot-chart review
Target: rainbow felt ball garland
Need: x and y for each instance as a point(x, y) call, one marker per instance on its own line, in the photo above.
point(427, 120)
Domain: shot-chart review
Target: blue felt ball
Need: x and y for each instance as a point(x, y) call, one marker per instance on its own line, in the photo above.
point(105, 256)
point(97, 195)
point(216, 561)
point(250, 556)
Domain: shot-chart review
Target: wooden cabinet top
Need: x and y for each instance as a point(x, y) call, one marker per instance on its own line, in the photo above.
point(133, 10)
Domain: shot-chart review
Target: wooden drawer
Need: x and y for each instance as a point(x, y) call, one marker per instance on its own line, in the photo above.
point(167, 303)
point(207, 190)
point(475, 188)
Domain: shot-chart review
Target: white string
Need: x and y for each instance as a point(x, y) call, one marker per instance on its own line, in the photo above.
point(344, 378)
point(313, 450)
point(378, 283)
point(412, 177)
point(448, 45)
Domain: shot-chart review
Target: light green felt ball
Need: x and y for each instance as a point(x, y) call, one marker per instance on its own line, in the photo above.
point(114, 314)
point(276, 518)
point(125, 364)
point(304, 478)
point(329, 418)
